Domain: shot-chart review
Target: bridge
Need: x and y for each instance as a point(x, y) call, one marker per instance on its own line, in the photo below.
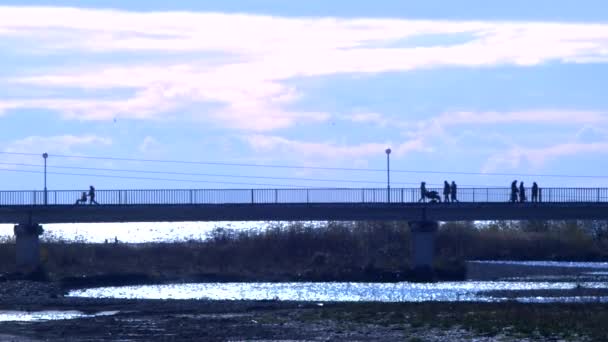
point(30, 209)
point(348, 204)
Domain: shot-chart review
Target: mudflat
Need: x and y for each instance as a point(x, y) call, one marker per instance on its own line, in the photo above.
point(203, 320)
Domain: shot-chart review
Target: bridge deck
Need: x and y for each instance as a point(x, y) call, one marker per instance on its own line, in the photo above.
point(292, 196)
point(303, 212)
point(297, 204)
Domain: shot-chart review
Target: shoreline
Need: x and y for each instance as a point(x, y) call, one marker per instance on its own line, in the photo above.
point(219, 320)
point(145, 320)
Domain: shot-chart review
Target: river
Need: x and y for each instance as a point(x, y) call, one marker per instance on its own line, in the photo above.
point(584, 282)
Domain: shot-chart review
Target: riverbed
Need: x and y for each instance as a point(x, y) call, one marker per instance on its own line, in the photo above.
point(508, 308)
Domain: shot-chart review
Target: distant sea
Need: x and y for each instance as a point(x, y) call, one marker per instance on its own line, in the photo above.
point(135, 232)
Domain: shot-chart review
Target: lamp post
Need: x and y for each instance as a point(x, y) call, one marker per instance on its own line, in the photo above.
point(45, 155)
point(388, 175)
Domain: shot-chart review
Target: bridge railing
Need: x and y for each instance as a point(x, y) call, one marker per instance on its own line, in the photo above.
point(304, 195)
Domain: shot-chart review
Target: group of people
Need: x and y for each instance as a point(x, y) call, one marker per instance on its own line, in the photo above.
point(83, 197)
point(519, 193)
point(450, 192)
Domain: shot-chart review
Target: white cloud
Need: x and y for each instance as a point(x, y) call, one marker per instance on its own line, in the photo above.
point(149, 145)
point(59, 144)
point(537, 157)
point(591, 134)
point(257, 55)
point(368, 118)
point(531, 116)
point(55, 144)
point(328, 150)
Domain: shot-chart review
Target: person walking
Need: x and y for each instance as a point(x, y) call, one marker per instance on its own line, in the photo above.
point(514, 191)
point(522, 192)
point(453, 192)
point(92, 195)
point(422, 192)
point(446, 191)
point(534, 192)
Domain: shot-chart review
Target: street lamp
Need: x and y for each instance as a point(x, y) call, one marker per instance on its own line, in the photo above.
point(388, 175)
point(45, 155)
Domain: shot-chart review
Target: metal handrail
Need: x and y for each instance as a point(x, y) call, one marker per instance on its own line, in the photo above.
point(292, 196)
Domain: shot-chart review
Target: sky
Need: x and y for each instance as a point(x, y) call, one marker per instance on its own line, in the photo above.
point(192, 94)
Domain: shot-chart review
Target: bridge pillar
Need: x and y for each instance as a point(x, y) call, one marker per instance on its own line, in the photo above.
point(422, 244)
point(28, 245)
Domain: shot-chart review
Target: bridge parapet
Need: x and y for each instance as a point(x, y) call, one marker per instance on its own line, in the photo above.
point(290, 196)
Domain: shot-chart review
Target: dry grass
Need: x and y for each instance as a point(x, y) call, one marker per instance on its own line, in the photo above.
point(299, 250)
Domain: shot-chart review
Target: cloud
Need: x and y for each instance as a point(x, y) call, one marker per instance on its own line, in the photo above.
point(537, 157)
point(55, 144)
point(149, 145)
point(242, 62)
point(328, 150)
point(368, 118)
point(567, 117)
point(59, 144)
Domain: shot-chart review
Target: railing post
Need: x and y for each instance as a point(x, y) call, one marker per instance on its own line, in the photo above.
point(307, 196)
point(362, 195)
point(598, 194)
point(276, 195)
point(251, 196)
point(191, 202)
point(401, 195)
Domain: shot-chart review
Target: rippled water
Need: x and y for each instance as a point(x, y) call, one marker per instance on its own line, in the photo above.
point(571, 264)
point(47, 315)
point(341, 292)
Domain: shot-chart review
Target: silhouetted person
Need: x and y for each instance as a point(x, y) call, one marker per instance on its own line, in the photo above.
point(514, 191)
point(454, 192)
point(446, 191)
point(522, 192)
point(82, 199)
point(534, 192)
point(115, 240)
point(422, 192)
point(92, 195)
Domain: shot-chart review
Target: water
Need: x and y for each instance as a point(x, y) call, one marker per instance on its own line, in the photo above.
point(585, 287)
point(570, 264)
point(133, 232)
point(547, 280)
point(467, 291)
point(30, 316)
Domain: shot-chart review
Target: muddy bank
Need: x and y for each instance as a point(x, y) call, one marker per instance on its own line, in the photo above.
point(185, 320)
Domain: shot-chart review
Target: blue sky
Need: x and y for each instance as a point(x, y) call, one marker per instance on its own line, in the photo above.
point(518, 87)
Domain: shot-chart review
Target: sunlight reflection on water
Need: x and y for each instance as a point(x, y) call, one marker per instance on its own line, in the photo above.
point(340, 292)
point(572, 264)
point(47, 315)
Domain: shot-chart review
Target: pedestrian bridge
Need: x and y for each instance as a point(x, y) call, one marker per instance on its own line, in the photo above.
point(350, 204)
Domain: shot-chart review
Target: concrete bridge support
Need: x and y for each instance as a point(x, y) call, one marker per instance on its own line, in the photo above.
point(422, 244)
point(28, 245)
